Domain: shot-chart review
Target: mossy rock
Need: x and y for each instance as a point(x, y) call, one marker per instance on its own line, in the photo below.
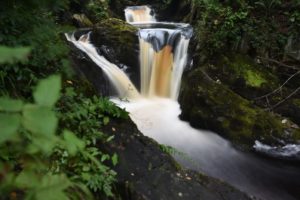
point(241, 74)
point(213, 106)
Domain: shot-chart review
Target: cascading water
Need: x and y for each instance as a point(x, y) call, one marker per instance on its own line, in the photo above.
point(139, 14)
point(163, 56)
point(117, 77)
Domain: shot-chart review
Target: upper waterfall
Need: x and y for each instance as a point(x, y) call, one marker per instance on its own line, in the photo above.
point(139, 14)
point(163, 52)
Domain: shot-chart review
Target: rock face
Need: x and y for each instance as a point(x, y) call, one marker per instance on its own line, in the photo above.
point(145, 172)
point(210, 105)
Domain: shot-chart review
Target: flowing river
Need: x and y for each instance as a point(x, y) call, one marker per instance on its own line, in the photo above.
point(155, 110)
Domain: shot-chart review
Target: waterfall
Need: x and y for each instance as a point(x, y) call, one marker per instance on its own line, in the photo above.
point(163, 56)
point(139, 14)
point(163, 52)
point(155, 111)
point(117, 77)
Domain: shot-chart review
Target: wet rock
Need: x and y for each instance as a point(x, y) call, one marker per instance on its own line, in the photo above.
point(209, 104)
point(147, 173)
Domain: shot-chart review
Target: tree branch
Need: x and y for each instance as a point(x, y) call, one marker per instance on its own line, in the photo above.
point(274, 106)
point(279, 88)
point(278, 63)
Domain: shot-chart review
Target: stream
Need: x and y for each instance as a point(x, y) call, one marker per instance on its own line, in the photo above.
point(155, 111)
point(212, 155)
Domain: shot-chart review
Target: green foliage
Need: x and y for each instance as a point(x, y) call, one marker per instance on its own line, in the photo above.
point(84, 117)
point(49, 142)
point(259, 27)
point(45, 95)
point(32, 24)
point(168, 149)
point(254, 79)
point(10, 55)
point(98, 9)
point(30, 131)
point(51, 160)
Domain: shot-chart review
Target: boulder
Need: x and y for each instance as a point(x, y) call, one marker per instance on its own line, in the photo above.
point(208, 104)
point(243, 76)
point(253, 81)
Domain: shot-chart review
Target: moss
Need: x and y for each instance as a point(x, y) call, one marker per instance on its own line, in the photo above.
point(213, 106)
point(244, 67)
point(254, 79)
point(117, 24)
point(118, 30)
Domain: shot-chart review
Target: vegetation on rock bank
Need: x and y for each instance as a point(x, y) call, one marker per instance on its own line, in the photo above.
point(49, 137)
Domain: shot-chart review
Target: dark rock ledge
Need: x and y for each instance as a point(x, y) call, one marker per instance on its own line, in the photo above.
point(145, 172)
point(207, 104)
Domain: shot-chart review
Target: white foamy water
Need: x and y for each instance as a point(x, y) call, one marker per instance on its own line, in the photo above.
point(117, 77)
point(139, 14)
point(286, 151)
point(163, 52)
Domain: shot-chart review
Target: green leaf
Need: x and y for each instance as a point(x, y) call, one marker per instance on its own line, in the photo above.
point(73, 143)
point(47, 91)
point(105, 120)
point(49, 194)
point(9, 124)
point(39, 120)
point(52, 187)
point(27, 179)
point(11, 55)
point(10, 105)
point(45, 145)
point(86, 176)
point(104, 157)
point(110, 138)
point(114, 159)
